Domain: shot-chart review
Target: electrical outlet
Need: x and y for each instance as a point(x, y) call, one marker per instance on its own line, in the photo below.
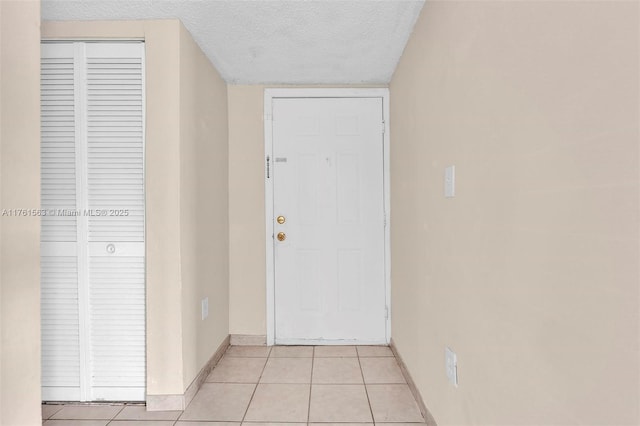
point(451, 366)
point(205, 308)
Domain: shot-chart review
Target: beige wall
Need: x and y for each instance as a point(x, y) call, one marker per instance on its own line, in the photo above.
point(19, 236)
point(204, 206)
point(180, 127)
point(247, 270)
point(531, 272)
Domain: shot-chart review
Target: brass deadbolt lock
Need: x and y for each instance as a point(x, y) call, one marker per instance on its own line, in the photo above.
point(281, 220)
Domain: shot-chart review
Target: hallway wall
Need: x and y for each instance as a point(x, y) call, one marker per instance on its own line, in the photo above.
point(204, 213)
point(19, 235)
point(531, 272)
point(247, 269)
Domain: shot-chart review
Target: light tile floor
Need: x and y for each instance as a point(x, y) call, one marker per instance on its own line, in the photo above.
point(258, 385)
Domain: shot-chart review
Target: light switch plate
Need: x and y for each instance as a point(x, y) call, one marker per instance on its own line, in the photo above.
point(450, 181)
point(205, 308)
point(451, 366)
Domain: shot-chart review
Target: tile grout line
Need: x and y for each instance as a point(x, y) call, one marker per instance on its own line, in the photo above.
point(366, 390)
point(313, 360)
point(257, 383)
point(116, 415)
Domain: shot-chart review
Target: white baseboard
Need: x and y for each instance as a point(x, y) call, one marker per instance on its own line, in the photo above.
point(180, 402)
point(248, 340)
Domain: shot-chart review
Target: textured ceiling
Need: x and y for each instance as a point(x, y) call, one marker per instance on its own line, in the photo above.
point(268, 41)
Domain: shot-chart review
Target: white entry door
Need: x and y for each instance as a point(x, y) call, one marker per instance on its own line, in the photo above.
point(92, 237)
point(329, 238)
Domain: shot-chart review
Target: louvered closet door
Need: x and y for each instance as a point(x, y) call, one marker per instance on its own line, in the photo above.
point(115, 227)
point(59, 257)
point(109, 170)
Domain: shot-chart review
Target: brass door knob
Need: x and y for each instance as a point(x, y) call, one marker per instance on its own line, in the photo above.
point(281, 220)
point(281, 236)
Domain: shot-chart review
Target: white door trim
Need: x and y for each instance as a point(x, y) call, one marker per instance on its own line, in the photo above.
point(269, 96)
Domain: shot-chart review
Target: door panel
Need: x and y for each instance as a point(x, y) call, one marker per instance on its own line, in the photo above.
point(59, 262)
point(60, 328)
point(117, 316)
point(115, 237)
point(328, 184)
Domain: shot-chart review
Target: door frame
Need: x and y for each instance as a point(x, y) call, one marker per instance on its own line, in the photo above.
point(276, 93)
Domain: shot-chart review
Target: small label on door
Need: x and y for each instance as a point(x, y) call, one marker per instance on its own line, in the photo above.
point(281, 159)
